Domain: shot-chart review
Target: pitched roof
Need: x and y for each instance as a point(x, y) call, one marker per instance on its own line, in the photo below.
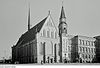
point(30, 35)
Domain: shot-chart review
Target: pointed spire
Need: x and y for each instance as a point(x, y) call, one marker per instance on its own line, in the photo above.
point(62, 12)
point(29, 18)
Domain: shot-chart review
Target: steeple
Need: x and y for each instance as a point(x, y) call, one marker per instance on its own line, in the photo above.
point(62, 31)
point(62, 22)
point(29, 18)
point(62, 13)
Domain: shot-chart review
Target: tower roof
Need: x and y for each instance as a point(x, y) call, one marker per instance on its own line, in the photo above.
point(62, 13)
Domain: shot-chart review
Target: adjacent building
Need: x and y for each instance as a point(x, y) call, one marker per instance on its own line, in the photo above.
point(97, 46)
point(83, 49)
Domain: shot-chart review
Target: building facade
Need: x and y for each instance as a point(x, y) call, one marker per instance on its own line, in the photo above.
point(38, 45)
point(44, 43)
point(97, 46)
point(84, 49)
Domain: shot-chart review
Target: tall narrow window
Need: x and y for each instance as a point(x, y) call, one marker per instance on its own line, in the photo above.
point(89, 42)
point(55, 35)
point(83, 42)
point(83, 49)
point(48, 35)
point(80, 41)
point(86, 49)
point(80, 49)
point(86, 42)
point(44, 33)
point(52, 34)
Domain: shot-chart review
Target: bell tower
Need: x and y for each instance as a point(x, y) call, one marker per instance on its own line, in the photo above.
point(62, 23)
point(62, 30)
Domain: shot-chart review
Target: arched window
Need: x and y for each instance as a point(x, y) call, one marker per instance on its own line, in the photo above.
point(44, 34)
point(41, 48)
point(55, 35)
point(52, 35)
point(48, 34)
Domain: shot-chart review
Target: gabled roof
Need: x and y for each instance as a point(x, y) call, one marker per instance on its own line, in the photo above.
point(31, 34)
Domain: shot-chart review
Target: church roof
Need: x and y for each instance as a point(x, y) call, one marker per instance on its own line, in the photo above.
point(31, 34)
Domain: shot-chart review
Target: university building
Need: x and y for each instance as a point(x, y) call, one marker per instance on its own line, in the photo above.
point(45, 43)
point(84, 49)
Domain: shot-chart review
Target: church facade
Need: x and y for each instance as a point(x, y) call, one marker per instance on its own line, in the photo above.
point(44, 43)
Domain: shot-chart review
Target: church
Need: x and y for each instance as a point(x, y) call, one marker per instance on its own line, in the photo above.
point(43, 43)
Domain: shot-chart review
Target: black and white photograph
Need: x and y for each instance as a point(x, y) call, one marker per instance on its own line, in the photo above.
point(49, 32)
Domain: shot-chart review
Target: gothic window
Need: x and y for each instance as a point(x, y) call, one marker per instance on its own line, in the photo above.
point(44, 33)
point(48, 35)
point(52, 35)
point(55, 34)
point(41, 48)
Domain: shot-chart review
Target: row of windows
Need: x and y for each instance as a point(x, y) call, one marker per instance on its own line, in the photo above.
point(86, 50)
point(83, 42)
point(84, 56)
point(65, 41)
point(49, 34)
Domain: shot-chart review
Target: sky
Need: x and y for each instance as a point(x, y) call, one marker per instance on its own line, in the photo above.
point(83, 18)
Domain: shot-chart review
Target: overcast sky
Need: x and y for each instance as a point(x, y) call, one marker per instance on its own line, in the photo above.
point(83, 18)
